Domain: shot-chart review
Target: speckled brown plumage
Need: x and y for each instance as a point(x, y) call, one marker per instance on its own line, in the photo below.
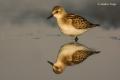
point(71, 24)
point(77, 57)
point(71, 54)
point(77, 21)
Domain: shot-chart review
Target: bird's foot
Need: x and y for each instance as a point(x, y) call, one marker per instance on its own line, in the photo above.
point(76, 39)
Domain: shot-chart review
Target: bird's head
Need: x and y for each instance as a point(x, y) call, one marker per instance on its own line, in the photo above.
point(57, 12)
point(57, 68)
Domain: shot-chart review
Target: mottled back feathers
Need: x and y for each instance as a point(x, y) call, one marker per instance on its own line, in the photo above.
point(78, 57)
point(77, 21)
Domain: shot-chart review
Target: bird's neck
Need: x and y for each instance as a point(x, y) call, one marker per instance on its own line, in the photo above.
point(61, 64)
point(60, 19)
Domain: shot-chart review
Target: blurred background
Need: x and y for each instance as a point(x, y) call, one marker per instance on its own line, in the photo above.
point(28, 40)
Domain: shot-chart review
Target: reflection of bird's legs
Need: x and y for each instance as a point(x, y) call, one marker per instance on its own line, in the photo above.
point(76, 39)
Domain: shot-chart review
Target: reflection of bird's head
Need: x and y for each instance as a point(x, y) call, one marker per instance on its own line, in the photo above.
point(57, 12)
point(57, 67)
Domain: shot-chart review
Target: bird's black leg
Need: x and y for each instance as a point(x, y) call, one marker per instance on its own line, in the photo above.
point(76, 39)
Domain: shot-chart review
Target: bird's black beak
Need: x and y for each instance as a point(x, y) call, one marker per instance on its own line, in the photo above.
point(51, 63)
point(50, 16)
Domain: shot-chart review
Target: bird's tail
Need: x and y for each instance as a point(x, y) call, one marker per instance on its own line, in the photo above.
point(94, 25)
point(94, 52)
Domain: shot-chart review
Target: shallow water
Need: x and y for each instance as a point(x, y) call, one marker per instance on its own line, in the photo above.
point(24, 51)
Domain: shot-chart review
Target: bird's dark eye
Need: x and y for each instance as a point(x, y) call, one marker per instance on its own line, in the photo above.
point(57, 67)
point(56, 11)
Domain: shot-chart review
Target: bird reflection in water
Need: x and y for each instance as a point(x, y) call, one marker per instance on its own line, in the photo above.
point(71, 54)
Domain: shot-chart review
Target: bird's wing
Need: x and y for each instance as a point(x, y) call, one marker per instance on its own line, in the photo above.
point(79, 22)
point(79, 56)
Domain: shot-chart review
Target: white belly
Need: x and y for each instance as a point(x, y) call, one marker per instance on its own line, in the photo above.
point(70, 30)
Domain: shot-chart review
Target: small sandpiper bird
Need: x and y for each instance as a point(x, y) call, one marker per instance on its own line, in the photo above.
point(71, 54)
point(71, 24)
